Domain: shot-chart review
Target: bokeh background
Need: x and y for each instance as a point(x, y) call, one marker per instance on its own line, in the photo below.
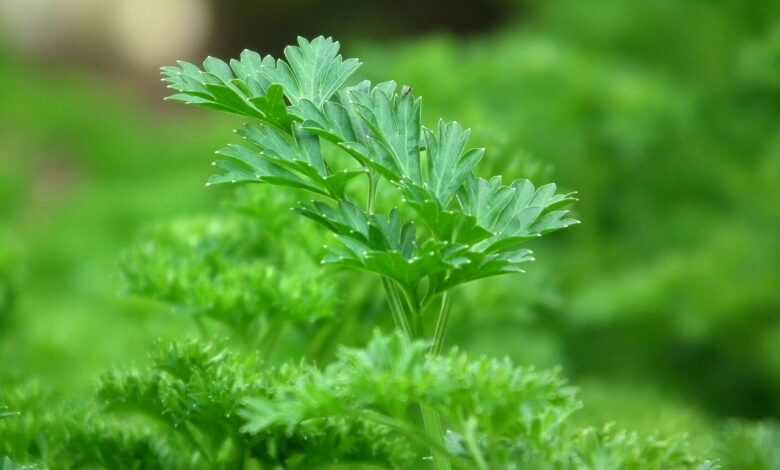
point(663, 306)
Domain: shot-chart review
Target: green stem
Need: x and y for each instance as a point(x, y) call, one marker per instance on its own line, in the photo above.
point(441, 325)
point(202, 330)
point(435, 432)
point(411, 306)
point(405, 307)
point(431, 418)
point(399, 316)
point(269, 338)
point(473, 445)
point(316, 346)
point(435, 445)
point(190, 436)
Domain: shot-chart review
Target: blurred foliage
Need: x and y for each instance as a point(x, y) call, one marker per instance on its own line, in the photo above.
point(7, 291)
point(662, 305)
point(676, 263)
point(229, 270)
point(750, 446)
point(269, 25)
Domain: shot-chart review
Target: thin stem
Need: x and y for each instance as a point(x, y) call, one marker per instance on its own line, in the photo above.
point(353, 466)
point(317, 345)
point(405, 306)
point(435, 445)
point(269, 338)
point(202, 330)
point(441, 325)
point(431, 418)
point(473, 445)
point(190, 435)
point(412, 308)
point(399, 316)
point(435, 432)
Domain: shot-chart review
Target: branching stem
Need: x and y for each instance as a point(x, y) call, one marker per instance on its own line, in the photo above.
point(471, 443)
point(436, 446)
point(408, 318)
point(441, 325)
point(399, 315)
point(435, 432)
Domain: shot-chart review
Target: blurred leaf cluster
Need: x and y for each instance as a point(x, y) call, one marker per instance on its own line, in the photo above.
point(675, 159)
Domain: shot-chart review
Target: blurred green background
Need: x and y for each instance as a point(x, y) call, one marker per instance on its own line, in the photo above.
point(663, 306)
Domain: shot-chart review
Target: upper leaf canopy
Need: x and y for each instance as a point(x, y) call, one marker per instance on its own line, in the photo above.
point(313, 71)
point(474, 227)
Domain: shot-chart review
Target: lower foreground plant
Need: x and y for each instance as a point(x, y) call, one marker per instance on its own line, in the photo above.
point(190, 410)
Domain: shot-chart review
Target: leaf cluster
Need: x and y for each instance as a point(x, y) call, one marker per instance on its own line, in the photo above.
point(196, 390)
point(471, 227)
point(225, 268)
point(497, 415)
point(200, 405)
point(43, 432)
point(750, 446)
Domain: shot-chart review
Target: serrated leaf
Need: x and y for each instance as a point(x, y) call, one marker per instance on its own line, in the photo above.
point(245, 166)
point(332, 122)
point(378, 243)
point(447, 224)
point(378, 126)
point(238, 88)
point(297, 153)
point(477, 226)
point(449, 163)
point(393, 124)
point(480, 264)
point(512, 213)
point(274, 107)
point(345, 219)
point(313, 70)
point(218, 68)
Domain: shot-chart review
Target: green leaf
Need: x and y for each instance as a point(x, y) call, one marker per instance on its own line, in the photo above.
point(215, 87)
point(277, 157)
point(298, 151)
point(377, 126)
point(476, 265)
point(337, 120)
point(313, 71)
point(449, 163)
point(274, 107)
point(245, 166)
point(345, 219)
point(239, 88)
point(446, 224)
point(380, 381)
point(513, 213)
point(8, 414)
point(378, 243)
point(393, 138)
point(476, 228)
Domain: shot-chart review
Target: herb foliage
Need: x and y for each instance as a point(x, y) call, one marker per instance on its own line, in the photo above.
point(470, 228)
point(403, 202)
